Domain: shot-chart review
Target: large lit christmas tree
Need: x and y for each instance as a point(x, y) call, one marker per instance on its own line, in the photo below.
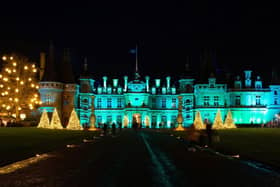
point(229, 122)
point(218, 122)
point(55, 122)
point(44, 120)
point(18, 86)
point(74, 122)
point(198, 123)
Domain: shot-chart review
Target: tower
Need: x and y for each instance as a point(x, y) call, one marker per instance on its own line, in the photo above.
point(70, 89)
point(50, 87)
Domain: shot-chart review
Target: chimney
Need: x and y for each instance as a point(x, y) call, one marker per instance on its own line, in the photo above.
point(147, 83)
point(105, 82)
point(157, 82)
point(115, 82)
point(125, 83)
point(168, 82)
point(248, 81)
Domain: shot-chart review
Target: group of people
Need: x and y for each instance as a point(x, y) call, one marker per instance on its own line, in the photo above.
point(203, 138)
point(113, 128)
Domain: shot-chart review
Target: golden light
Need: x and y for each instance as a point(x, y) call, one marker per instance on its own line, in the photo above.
point(1, 85)
point(11, 57)
point(10, 99)
point(1, 76)
point(3, 105)
point(17, 78)
point(32, 85)
point(14, 64)
point(5, 79)
point(6, 92)
point(34, 70)
point(7, 69)
point(22, 116)
point(8, 107)
point(17, 90)
point(37, 87)
point(35, 95)
point(21, 82)
point(2, 93)
point(25, 67)
point(19, 108)
point(40, 102)
point(14, 70)
point(29, 79)
point(33, 65)
point(4, 58)
point(9, 88)
point(16, 99)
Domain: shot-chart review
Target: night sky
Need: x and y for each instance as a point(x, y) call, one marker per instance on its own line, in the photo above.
point(239, 35)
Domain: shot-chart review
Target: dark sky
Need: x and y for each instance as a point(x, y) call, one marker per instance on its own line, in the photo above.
point(241, 35)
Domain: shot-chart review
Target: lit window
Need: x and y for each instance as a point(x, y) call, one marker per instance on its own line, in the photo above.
point(258, 100)
point(98, 103)
point(163, 102)
point(206, 100)
point(237, 100)
point(109, 103)
point(119, 102)
point(216, 100)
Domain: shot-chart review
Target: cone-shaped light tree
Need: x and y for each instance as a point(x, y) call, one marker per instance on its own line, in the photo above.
point(18, 86)
point(229, 122)
point(74, 122)
point(55, 121)
point(198, 123)
point(218, 122)
point(44, 121)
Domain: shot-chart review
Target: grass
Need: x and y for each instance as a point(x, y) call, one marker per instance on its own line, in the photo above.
point(21, 143)
point(260, 144)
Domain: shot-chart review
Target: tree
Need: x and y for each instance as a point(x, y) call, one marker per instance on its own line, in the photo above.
point(18, 86)
point(218, 122)
point(44, 120)
point(74, 122)
point(229, 122)
point(198, 123)
point(55, 121)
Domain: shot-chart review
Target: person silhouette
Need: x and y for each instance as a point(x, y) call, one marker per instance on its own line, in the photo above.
point(105, 129)
point(113, 129)
point(209, 133)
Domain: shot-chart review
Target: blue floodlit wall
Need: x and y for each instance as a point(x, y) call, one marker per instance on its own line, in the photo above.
point(155, 104)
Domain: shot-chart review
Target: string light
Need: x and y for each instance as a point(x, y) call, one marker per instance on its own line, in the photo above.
point(14, 95)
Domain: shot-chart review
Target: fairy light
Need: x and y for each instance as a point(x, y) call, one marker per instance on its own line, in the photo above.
point(16, 72)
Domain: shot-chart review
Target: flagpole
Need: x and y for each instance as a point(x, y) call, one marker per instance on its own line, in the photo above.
point(136, 56)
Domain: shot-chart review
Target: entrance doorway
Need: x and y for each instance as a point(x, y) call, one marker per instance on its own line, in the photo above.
point(136, 120)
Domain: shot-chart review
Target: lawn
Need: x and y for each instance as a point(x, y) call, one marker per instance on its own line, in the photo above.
point(260, 144)
point(21, 143)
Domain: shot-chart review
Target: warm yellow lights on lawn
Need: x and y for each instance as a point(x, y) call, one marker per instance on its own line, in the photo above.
point(22, 164)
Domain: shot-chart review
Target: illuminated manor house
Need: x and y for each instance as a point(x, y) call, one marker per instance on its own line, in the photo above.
point(154, 103)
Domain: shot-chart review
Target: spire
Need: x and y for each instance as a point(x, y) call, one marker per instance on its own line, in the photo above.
point(85, 72)
point(187, 73)
point(137, 76)
point(50, 73)
point(66, 67)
